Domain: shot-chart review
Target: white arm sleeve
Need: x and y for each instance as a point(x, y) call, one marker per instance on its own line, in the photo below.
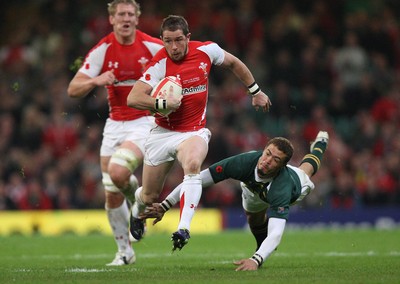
point(276, 228)
point(215, 52)
point(206, 181)
point(94, 61)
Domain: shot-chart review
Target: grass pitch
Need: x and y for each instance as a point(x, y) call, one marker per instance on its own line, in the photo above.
point(304, 256)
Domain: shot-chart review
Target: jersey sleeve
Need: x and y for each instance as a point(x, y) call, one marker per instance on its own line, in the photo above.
point(152, 44)
point(280, 212)
point(214, 51)
point(155, 72)
point(284, 189)
point(94, 60)
point(240, 167)
point(153, 47)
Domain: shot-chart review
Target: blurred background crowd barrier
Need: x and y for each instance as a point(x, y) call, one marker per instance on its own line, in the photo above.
point(327, 65)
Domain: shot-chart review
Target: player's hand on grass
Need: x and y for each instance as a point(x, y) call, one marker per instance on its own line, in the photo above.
point(155, 211)
point(245, 264)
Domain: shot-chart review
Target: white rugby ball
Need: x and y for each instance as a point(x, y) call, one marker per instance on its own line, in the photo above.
point(169, 86)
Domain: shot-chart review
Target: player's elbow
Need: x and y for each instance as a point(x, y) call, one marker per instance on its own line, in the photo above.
point(72, 93)
point(138, 96)
point(135, 98)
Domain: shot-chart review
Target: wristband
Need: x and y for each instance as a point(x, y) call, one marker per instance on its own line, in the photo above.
point(160, 104)
point(166, 205)
point(254, 89)
point(257, 259)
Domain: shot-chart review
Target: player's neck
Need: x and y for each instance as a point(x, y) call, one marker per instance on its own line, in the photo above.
point(127, 40)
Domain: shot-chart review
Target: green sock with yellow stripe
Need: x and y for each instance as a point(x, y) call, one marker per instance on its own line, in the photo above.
point(314, 158)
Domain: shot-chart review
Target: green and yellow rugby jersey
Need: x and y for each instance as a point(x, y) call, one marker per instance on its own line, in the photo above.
point(282, 191)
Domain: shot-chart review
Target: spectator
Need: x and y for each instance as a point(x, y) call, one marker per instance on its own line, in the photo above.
point(6, 203)
point(351, 61)
point(343, 193)
point(34, 198)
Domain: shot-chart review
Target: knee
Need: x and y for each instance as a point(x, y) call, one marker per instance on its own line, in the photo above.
point(193, 166)
point(119, 175)
point(122, 163)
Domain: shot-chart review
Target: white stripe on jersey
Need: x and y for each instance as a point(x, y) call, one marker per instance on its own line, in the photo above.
point(214, 52)
point(156, 77)
point(152, 47)
point(95, 59)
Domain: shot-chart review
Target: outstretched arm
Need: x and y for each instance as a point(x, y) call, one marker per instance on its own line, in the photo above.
point(259, 98)
point(82, 84)
point(157, 210)
point(276, 227)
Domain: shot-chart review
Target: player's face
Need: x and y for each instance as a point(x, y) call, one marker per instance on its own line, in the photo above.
point(176, 44)
point(270, 162)
point(124, 22)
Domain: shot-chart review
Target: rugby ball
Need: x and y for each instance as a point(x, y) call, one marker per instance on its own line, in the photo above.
point(167, 87)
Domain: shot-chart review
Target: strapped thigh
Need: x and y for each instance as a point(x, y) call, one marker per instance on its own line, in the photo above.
point(108, 184)
point(125, 158)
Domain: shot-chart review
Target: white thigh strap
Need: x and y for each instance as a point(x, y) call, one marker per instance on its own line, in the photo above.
point(108, 184)
point(125, 158)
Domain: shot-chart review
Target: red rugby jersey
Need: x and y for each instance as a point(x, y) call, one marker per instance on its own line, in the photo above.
point(193, 71)
point(128, 63)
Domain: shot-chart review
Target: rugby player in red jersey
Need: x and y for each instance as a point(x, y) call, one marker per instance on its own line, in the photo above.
point(183, 135)
point(116, 62)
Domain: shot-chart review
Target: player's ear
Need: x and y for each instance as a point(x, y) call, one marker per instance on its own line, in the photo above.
point(188, 36)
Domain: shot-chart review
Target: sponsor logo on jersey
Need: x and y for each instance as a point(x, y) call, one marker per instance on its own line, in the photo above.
point(113, 64)
point(194, 90)
point(190, 80)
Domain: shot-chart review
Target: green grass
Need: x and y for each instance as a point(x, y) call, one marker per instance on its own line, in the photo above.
point(304, 256)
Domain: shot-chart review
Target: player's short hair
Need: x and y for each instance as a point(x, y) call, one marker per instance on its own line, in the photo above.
point(283, 145)
point(173, 23)
point(112, 6)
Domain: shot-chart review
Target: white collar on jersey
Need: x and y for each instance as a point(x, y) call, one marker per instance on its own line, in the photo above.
point(258, 179)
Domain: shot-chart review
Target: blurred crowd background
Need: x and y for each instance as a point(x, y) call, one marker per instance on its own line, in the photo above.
point(327, 65)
